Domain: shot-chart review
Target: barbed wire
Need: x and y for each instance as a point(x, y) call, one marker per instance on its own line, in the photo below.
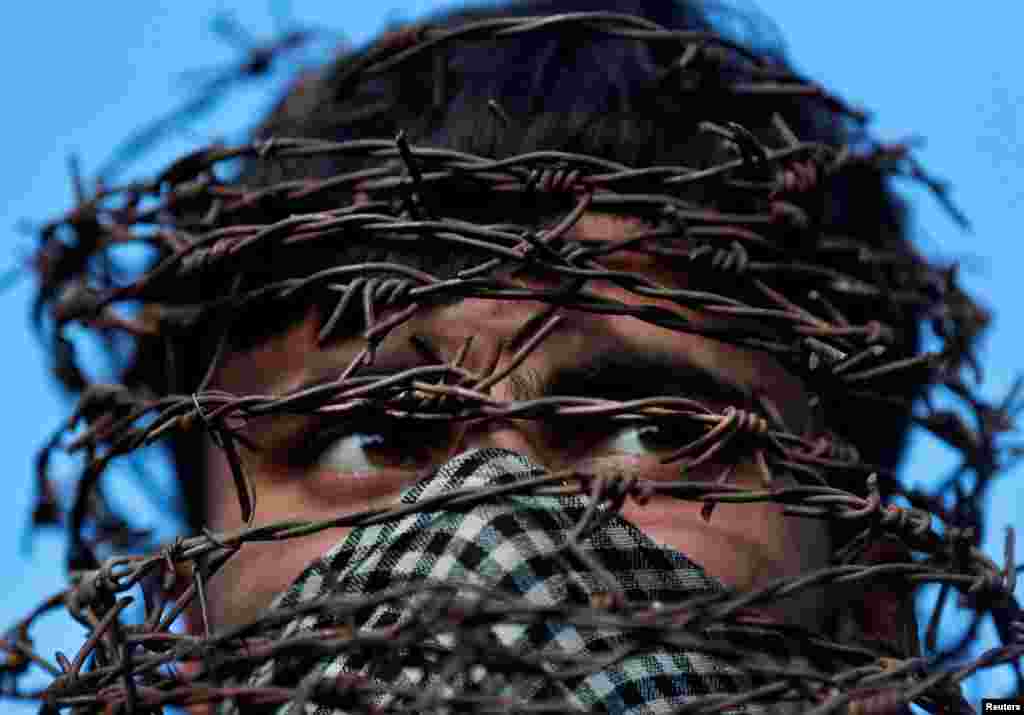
point(779, 284)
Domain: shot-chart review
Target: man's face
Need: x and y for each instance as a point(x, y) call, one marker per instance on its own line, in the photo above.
point(295, 477)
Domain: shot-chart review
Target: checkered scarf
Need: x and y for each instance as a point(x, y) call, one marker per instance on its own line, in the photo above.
point(516, 544)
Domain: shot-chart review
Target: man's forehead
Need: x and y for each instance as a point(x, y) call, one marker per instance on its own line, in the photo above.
point(292, 358)
point(271, 366)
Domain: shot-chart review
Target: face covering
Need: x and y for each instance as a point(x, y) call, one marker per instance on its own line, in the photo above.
point(516, 544)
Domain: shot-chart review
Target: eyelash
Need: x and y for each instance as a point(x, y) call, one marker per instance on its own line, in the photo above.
point(666, 436)
point(433, 440)
point(315, 444)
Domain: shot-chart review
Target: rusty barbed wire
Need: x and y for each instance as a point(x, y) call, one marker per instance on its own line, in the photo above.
point(771, 281)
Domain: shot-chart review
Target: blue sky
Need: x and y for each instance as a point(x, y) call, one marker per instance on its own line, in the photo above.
point(80, 77)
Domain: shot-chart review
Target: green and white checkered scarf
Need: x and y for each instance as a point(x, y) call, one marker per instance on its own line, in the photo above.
point(518, 545)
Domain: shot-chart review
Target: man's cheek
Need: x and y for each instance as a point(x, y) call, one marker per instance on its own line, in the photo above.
point(246, 585)
point(258, 573)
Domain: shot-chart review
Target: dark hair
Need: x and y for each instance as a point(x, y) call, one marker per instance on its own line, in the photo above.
point(596, 96)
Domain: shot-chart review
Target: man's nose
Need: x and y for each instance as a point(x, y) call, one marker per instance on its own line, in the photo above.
point(513, 435)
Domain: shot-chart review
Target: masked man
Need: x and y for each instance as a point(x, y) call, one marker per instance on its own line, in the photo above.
point(562, 313)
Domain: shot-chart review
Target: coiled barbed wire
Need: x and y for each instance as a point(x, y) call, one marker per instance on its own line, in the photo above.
point(201, 231)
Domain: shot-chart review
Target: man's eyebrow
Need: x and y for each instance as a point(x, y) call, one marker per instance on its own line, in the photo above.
point(629, 374)
point(398, 362)
point(625, 373)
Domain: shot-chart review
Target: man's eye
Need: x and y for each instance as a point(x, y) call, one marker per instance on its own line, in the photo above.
point(376, 447)
point(358, 451)
point(646, 439)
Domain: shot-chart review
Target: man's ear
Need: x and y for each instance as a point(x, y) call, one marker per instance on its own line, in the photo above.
point(194, 627)
point(881, 610)
point(878, 613)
